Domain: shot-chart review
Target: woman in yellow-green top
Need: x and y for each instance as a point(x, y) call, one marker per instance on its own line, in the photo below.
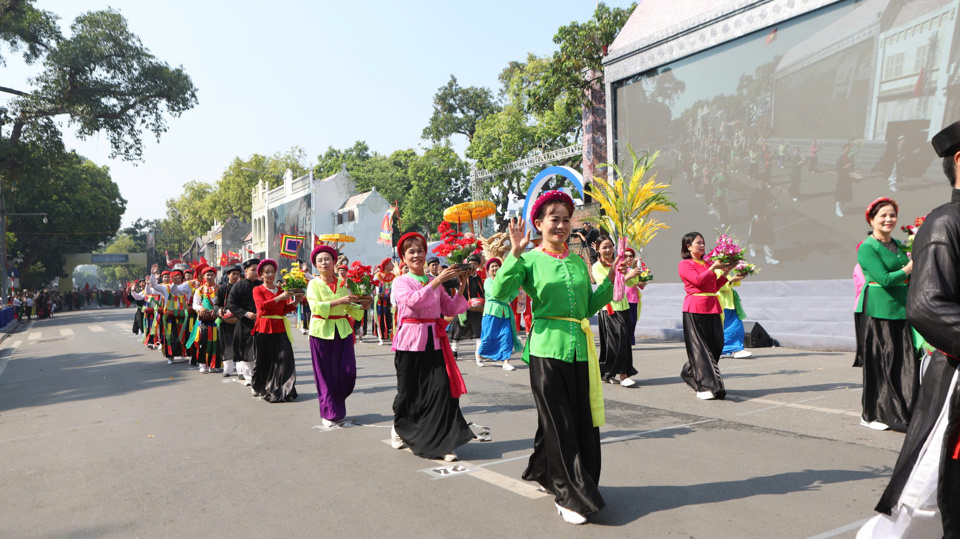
point(616, 353)
point(733, 315)
point(564, 372)
point(890, 375)
point(331, 336)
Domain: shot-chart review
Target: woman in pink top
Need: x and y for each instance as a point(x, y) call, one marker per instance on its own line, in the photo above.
point(702, 323)
point(633, 294)
point(426, 410)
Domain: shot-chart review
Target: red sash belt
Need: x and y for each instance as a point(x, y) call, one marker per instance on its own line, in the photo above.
point(457, 385)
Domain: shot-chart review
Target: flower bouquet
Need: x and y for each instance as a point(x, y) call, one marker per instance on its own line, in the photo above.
point(645, 274)
point(911, 231)
point(293, 281)
point(744, 268)
point(454, 246)
point(727, 251)
point(360, 280)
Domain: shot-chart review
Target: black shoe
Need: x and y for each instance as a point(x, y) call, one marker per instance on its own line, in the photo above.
point(456, 355)
point(240, 377)
point(227, 375)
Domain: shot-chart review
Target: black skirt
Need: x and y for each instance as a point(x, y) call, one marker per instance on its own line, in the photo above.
point(858, 330)
point(566, 449)
point(243, 344)
point(275, 375)
point(470, 329)
point(425, 415)
point(616, 355)
point(138, 322)
point(703, 336)
point(226, 341)
point(891, 377)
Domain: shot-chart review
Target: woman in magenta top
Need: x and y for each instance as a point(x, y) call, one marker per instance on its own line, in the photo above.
point(275, 375)
point(426, 410)
point(702, 323)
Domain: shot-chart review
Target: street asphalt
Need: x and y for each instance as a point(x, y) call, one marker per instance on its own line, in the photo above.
point(99, 437)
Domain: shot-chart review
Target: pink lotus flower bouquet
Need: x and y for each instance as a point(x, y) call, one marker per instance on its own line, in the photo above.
point(745, 268)
point(727, 251)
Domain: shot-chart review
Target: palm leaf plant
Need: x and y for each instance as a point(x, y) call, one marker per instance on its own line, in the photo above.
point(627, 205)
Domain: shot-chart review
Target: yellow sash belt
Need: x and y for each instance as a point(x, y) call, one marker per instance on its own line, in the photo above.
point(286, 324)
point(593, 368)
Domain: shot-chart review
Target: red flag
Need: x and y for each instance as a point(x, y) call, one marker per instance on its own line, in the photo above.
point(918, 88)
point(204, 261)
point(223, 259)
point(249, 251)
point(772, 36)
point(233, 254)
point(316, 240)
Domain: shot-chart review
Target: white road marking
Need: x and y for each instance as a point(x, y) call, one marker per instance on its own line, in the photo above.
point(523, 488)
point(66, 332)
point(16, 344)
point(34, 336)
point(778, 404)
point(841, 529)
point(96, 329)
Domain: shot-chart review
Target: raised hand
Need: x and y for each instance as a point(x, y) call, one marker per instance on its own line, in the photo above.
point(518, 238)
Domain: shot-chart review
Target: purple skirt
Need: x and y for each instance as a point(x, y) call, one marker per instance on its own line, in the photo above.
point(335, 371)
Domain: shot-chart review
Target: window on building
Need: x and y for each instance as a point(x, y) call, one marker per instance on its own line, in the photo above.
point(921, 60)
point(339, 218)
point(893, 66)
point(351, 216)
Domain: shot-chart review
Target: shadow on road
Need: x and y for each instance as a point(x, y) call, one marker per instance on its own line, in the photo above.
point(41, 380)
point(628, 504)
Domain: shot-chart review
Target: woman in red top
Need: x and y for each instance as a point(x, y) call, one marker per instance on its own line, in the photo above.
point(702, 323)
point(276, 374)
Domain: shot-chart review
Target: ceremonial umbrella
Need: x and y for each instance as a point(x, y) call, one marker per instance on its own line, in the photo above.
point(337, 239)
point(468, 212)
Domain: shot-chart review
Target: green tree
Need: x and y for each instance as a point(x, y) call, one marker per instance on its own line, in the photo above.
point(193, 208)
point(333, 160)
point(103, 80)
point(231, 197)
point(578, 64)
point(24, 27)
point(83, 207)
point(456, 111)
point(439, 179)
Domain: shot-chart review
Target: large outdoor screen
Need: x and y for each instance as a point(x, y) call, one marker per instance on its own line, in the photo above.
point(784, 136)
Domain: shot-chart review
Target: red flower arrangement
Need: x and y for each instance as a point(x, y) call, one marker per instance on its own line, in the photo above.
point(912, 232)
point(360, 279)
point(455, 246)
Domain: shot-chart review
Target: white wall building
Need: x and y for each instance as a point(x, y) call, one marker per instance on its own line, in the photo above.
point(306, 206)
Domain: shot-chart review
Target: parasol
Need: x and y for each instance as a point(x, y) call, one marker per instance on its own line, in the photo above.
point(468, 212)
point(336, 239)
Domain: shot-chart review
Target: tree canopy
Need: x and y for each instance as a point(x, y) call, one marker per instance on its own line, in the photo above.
point(457, 110)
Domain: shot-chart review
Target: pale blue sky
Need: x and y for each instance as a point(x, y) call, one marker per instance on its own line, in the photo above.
point(308, 73)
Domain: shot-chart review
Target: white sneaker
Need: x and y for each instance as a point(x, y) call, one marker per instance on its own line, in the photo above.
point(451, 457)
point(359, 338)
point(509, 367)
point(772, 261)
point(839, 211)
point(247, 382)
point(169, 362)
point(327, 423)
point(204, 369)
point(479, 361)
point(875, 425)
point(396, 441)
point(742, 354)
point(304, 331)
point(706, 395)
point(380, 343)
point(570, 517)
point(627, 382)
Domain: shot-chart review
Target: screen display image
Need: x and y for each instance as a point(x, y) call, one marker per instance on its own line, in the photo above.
point(784, 136)
point(291, 218)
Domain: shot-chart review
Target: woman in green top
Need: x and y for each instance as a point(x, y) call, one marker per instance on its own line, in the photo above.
point(331, 336)
point(890, 375)
point(616, 353)
point(564, 372)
